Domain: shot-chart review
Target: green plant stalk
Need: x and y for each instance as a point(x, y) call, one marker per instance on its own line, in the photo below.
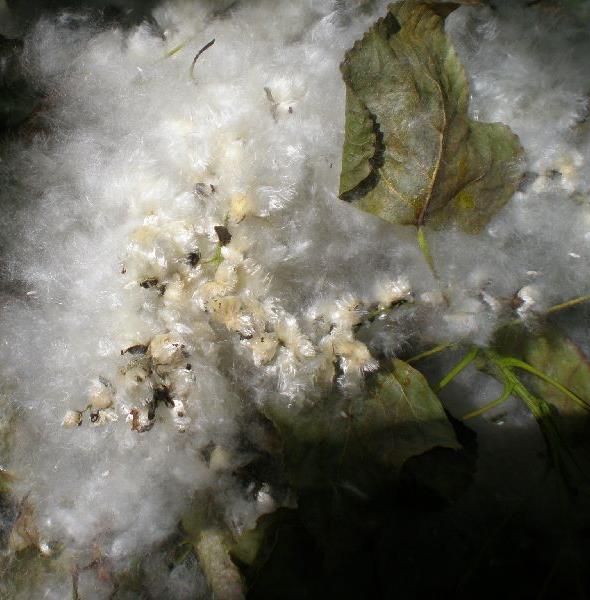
point(176, 49)
point(431, 351)
point(519, 364)
point(448, 345)
point(568, 304)
point(540, 410)
point(506, 393)
point(217, 257)
point(462, 364)
point(425, 248)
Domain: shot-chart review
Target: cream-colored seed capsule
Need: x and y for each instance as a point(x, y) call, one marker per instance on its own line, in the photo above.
point(264, 348)
point(72, 419)
point(240, 207)
point(101, 397)
point(220, 459)
point(390, 292)
point(166, 348)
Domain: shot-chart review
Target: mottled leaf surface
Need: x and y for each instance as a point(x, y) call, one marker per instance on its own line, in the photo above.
point(408, 96)
point(357, 443)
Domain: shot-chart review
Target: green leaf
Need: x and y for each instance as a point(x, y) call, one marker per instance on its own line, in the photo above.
point(358, 444)
point(430, 163)
point(559, 359)
point(359, 143)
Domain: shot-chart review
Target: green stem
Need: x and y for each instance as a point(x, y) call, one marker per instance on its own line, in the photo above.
point(423, 245)
point(431, 351)
point(462, 364)
point(506, 392)
point(519, 364)
point(448, 345)
point(568, 303)
point(217, 258)
point(540, 409)
point(557, 307)
point(176, 49)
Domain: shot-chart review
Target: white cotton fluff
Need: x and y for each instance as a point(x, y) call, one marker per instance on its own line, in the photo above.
point(109, 241)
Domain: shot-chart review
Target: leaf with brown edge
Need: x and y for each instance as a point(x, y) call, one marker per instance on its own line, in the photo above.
point(430, 164)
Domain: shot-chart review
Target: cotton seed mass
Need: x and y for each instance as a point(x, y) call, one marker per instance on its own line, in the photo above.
point(175, 255)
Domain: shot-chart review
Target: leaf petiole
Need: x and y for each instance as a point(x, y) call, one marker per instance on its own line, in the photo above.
point(519, 364)
point(462, 364)
point(506, 393)
point(541, 411)
point(425, 248)
point(431, 352)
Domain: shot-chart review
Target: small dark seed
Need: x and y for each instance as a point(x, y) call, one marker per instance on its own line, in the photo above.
point(516, 302)
point(148, 283)
point(223, 234)
point(189, 367)
point(162, 395)
point(136, 349)
point(200, 189)
point(526, 180)
point(193, 258)
point(94, 417)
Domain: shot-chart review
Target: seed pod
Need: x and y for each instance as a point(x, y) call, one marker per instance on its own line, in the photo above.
point(73, 418)
point(167, 348)
point(101, 397)
point(149, 283)
point(135, 350)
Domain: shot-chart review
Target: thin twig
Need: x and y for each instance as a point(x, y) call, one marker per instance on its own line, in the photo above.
point(448, 345)
point(462, 364)
point(506, 392)
point(568, 304)
point(519, 364)
point(431, 351)
point(176, 49)
point(557, 307)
